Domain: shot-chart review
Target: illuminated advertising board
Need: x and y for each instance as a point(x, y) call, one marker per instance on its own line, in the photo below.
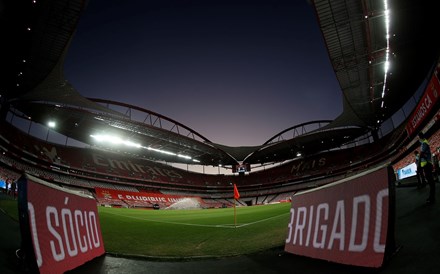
point(407, 171)
point(348, 222)
point(60, 228)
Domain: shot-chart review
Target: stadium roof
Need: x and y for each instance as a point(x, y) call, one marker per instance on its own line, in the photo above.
point(355, 35)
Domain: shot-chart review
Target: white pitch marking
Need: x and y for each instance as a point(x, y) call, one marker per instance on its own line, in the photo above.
point(177, 223)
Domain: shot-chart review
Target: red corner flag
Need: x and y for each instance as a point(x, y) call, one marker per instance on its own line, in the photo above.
point(236, 194)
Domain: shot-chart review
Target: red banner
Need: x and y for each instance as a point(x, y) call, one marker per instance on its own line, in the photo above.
point(132, 196)
point(425, 106)
point(64, 226)
point(344, 223)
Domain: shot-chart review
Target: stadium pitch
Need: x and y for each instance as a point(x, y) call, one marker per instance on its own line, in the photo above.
point(180, 234)
point(193, 233)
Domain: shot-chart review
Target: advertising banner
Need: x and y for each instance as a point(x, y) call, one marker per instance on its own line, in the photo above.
point(407, 171)
point(131, 196)
point(346, 222)
point(60, 228)
point(425, 106)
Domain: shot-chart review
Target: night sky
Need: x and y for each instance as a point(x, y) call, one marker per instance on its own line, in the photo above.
point(237, 72)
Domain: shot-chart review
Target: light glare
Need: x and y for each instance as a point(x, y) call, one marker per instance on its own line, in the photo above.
point(118, 141)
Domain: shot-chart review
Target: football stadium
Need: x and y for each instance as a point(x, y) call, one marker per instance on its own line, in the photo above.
point(95, 185)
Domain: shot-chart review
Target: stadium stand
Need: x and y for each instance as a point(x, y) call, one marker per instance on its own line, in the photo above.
point(84, 168)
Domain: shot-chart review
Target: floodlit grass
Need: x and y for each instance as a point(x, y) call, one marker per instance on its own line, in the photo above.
point(192, 233)
point(9, 206)
point(188, 233)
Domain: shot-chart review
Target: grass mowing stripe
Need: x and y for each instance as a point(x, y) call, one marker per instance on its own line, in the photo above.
point(167, 222)
point(202, 225)
point(263, 220)
point(262, 227)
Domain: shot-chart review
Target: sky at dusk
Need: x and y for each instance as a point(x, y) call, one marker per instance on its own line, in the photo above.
point(237, 72)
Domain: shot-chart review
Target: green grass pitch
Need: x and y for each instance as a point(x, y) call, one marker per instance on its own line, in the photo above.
point(194, 233)
point(188, 233)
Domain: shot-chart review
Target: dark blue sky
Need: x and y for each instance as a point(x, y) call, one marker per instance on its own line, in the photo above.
point(238, 72)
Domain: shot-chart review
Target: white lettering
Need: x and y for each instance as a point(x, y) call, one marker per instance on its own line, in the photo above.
point(322, 228)
point(87, 229)
point(339, 221)
point(365, 199)
point(72, 229)
point(33, 225)
point(102, 161)
point(289, 234)
point(309, 229)
point(379, 248)
point(50, 210)
point(69, 237)
point(95, 231)
point(299, 227)
point(304, 220)
point(421, 112)
point(79, 220)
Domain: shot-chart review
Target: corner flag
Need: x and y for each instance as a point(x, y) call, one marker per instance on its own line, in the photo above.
point(236, 194)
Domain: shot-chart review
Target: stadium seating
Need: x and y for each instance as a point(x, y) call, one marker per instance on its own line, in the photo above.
point(90, 168)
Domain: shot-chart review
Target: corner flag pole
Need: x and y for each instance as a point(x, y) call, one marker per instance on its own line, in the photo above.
point(236, 197)
point(235, 214)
